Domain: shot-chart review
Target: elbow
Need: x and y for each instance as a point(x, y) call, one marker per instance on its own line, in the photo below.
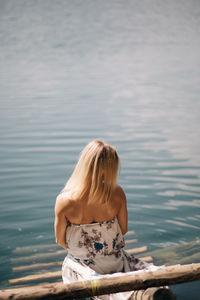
point(61, 243)
point(124, 231)
point(57, 242)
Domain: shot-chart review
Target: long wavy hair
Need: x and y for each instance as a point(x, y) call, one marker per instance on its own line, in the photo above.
point(95, 175)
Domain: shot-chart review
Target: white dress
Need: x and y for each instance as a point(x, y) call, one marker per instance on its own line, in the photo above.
point(95, 249)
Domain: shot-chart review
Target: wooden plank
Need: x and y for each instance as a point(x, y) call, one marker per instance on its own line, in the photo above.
point(35, 248)
point(146, 258)
point(36, 266)
point(137, 250)
point(108, 284)
point(39, 256)
point(130, 232)
point(36, 277)
point(131, 241)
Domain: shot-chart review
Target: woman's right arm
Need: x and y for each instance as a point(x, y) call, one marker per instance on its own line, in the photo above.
point(60, 223)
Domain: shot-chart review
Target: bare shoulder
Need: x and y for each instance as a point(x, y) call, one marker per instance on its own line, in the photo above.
point(63, 202)
point(120, 195)
point(120, 192)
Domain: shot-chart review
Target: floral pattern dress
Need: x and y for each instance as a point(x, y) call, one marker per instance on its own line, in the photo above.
point(95, 249)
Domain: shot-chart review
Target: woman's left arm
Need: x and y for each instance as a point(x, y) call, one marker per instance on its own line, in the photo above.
point(122, 214)
point(60, 223)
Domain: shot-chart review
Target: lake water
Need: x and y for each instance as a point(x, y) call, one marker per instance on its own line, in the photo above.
point(127, 72)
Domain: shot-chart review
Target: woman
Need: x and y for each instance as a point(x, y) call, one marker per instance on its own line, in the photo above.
point(91, 218)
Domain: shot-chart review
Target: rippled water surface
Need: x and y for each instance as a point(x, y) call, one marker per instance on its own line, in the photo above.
point(126, 72)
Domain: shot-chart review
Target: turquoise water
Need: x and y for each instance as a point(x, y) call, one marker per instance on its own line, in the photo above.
point(126, 72)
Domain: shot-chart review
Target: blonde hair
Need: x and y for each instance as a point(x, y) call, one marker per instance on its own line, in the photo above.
point(95, 175)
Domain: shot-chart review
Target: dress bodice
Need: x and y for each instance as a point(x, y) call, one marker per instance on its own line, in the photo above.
point(89, 242)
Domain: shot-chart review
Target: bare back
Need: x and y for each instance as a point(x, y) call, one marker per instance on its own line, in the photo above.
point(81, 212)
